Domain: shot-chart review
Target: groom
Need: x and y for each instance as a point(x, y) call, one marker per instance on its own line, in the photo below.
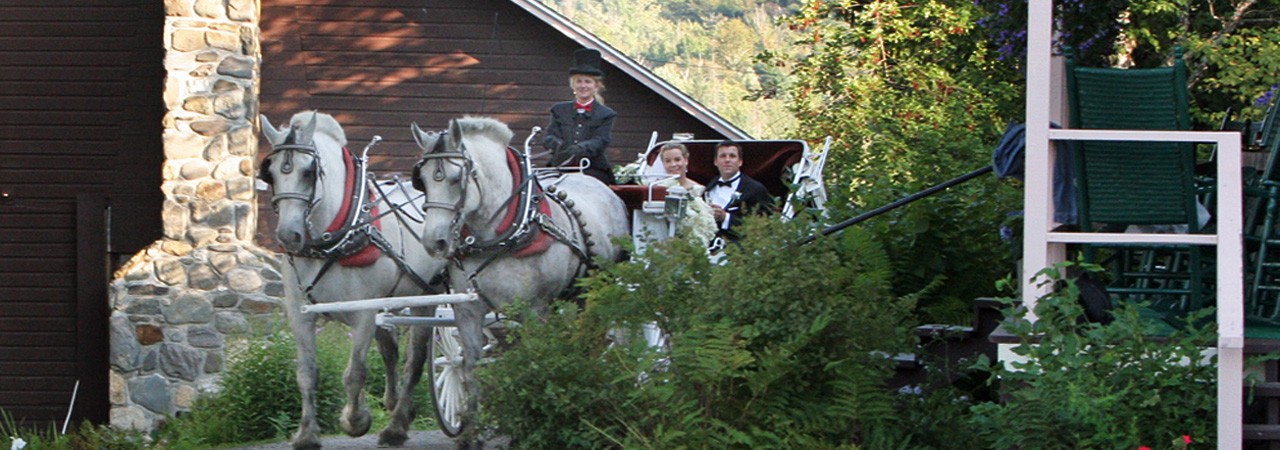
point(733, 193)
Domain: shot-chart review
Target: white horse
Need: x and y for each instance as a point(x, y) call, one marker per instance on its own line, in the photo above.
point(507, 238)
point(340, 246)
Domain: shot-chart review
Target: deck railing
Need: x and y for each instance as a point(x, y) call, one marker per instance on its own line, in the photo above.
point(1043, 248)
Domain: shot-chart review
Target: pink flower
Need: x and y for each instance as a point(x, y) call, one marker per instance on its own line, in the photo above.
point(1186, 439)
point(1143, 447)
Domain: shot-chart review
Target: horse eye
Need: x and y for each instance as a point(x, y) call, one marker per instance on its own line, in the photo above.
point(309, 171)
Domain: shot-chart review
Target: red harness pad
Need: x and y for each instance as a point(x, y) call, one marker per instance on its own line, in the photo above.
point(541, 240)
point(370, 253)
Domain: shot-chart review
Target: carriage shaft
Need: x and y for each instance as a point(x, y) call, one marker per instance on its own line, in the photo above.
point(390, 303)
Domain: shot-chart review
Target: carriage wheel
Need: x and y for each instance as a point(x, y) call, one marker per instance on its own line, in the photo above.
point(444, 367)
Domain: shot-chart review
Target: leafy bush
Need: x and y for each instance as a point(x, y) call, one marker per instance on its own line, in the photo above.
point(1088, 385)
point(782, 347)
point(259, 396)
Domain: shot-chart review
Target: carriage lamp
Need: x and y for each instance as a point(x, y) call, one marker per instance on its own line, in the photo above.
point(674, 206)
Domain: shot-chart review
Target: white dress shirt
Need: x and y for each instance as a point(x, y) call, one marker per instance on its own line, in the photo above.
point(721, 195)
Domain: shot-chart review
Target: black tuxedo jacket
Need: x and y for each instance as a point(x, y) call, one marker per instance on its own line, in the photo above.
point(590, 131)
point(753, 198)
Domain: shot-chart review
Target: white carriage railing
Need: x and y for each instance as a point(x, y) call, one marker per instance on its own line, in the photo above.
point(1043, 248)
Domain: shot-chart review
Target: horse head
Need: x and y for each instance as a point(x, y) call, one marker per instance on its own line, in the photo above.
point(460, 173)
point(301, 156)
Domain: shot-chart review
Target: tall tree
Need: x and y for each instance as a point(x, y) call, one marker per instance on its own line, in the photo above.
point(913, 97)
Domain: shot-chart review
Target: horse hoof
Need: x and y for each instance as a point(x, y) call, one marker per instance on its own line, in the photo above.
point(310, 442)
point(392, 438)
point(356, 423)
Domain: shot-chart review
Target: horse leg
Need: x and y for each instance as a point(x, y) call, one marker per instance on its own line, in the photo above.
point(470, 322)
point(304, 334)
point(402, 416)
point(389, 348)
point(355, 416)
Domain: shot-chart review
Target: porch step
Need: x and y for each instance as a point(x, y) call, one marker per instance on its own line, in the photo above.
point(1270, 389)
point(1255, 432)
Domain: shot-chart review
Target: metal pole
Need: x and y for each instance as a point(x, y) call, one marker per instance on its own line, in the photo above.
point(390, 303)
point(895, 204)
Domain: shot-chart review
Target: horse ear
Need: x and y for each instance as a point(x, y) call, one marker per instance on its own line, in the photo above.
point(273, 135)
point(455, 134)
point(308, 131)
point(419, 136)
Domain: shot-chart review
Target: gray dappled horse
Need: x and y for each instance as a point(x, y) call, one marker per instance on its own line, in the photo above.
point(507, 238)
point(340, 248)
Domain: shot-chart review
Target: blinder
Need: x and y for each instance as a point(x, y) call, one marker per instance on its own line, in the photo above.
point(264, 171)
point(416, 174)
point(416, 179)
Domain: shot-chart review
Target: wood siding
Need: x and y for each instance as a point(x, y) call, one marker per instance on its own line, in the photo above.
point(80, 116)
point(378, 65)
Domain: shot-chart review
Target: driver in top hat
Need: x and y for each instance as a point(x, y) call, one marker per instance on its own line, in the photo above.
point(580, 128)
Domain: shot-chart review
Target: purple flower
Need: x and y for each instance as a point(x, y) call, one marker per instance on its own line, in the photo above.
point(1266, 97)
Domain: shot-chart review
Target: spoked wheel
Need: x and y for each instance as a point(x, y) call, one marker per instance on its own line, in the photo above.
point(444, 368)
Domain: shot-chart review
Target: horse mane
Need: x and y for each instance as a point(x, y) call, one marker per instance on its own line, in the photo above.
point(486, 126)
point(325, 124)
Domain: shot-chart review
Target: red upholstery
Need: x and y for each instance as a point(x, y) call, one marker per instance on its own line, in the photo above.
point(634, 195)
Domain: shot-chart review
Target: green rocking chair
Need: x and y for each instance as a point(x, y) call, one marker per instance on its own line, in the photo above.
point(1148, 186)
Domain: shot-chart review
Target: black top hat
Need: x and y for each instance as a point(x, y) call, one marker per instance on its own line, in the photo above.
point(586, 61)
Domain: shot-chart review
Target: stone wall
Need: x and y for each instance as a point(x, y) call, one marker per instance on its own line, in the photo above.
point(175, 304)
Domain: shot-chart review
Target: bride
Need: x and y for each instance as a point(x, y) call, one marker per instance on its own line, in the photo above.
point(698, 223)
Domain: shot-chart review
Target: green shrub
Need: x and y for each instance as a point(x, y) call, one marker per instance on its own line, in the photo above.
point(258, 397)
point(84, 436)
point(1087, 385)
point(780, 347)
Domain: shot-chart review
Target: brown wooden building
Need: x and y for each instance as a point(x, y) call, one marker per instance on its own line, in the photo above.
point(82, 118)
point(80, 154)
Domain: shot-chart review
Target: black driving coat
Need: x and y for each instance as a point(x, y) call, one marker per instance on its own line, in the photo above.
point(590, 131)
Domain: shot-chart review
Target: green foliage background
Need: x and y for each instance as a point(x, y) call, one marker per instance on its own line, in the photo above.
point(704, 47)
point(912, 98)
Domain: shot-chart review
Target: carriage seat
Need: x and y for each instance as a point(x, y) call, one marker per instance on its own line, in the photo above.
point(634, 195)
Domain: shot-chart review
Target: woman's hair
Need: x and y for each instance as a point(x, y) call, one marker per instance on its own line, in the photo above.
point(599, 82)
point(670, 145)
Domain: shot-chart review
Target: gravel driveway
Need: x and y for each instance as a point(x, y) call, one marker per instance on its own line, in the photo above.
point(418, 440)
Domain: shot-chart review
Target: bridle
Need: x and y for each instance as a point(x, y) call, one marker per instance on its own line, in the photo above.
point(440, 154)
point(356, 228)
point(286, 166)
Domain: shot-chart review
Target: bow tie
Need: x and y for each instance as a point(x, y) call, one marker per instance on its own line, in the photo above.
point(729, 183)
point(582, 108)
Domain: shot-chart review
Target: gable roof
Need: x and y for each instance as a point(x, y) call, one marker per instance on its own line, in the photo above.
point(632, 68)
